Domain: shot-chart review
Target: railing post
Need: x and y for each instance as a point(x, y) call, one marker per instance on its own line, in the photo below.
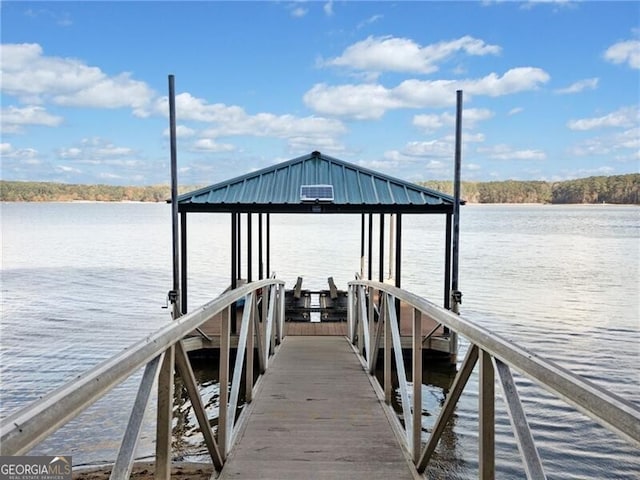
point(250, 347)
point(486, 426)
point(223, 375)
point(165, 416)
point(350, 290)
point(417, 384)
point(388, 386)
point(281, 296)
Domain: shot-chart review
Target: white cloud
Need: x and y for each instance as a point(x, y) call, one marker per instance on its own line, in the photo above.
point(371, 101)
point(210, 145)
point(24, 155)
point(382, 54)
point(234, 121)
point(15, 118)
point(328, 8)
point(433, 122)
point(556, 3)
point(369, 21)
point(623, 117)
point(515, 111)
point(622, 146)
point(61, 19)
point(181, 132)
point(579, 86)
point(505, 152)
point(34, 78)
point(298, 12)
point(98, 150)
point(5, 148)
point(67, 169)
point(624, 52)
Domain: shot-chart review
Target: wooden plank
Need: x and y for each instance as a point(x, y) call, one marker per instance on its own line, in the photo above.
point(318, 417)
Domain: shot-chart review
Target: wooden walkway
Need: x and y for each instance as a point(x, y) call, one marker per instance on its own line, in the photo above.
point(316, 416)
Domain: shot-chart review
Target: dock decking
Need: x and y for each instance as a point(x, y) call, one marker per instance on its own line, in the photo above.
point(317, 416)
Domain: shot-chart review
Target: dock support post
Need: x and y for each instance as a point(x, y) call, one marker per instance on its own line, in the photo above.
point(381, 260)
point(249, 248)
point(234, 265)
point(370, 255)
point(165, 416)
point(417, 385)
point(260, 249)
point(223, 376)
point(486, 427)
point(362, 258)
point(183, 261)
point(268, 247)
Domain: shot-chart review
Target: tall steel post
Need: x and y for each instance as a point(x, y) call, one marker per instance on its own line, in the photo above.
point(175, 293)
point(164, 419)
point(456, 299)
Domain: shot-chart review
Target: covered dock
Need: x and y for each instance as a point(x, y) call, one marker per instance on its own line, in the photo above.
point(319, 184)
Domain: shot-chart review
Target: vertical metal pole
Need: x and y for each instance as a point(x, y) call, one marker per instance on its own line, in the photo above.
point(234, 265)
point(398, 272)
point(392, 249)
point(268, 245)
point(249, 248)
point(174, 197)
point(165, 378)
point(381, 260)
point(234, 250)
point(183, 258)
point(457, 296)
point(447, 264)
point(370, 240)
point(398, 258)
point(362, 246)
point(260, 245)
point(239, 244)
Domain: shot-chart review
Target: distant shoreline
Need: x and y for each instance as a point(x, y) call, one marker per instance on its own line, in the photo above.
point(616, 189)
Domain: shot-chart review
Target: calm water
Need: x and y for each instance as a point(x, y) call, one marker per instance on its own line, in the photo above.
point(82, 281)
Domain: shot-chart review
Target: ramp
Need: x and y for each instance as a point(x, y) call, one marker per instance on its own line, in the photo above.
point(317, 417)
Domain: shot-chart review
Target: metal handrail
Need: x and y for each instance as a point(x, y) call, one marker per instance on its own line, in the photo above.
point(497, 355)
point(27, 427)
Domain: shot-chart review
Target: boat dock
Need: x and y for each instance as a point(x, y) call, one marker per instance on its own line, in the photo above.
point(317, 416)
point(301, 394)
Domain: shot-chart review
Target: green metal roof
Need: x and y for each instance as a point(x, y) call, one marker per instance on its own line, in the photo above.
point(277, 189)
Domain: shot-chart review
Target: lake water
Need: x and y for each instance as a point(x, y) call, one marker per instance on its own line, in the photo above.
point(81, 281)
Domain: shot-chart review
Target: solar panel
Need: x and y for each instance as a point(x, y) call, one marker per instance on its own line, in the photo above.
point(316, 193)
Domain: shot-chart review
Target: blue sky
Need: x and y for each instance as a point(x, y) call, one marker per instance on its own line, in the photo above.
point(551, 88)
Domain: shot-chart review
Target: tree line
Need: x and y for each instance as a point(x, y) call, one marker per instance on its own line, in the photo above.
point(63, 192)
point(622, 189)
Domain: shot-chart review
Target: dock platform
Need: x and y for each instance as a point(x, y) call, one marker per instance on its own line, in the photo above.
point(317, 416)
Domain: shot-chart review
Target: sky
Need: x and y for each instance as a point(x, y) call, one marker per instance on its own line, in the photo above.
point(550, 88)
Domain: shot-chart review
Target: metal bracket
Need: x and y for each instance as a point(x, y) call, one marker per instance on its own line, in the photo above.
point(456, 296)
point(172, 298)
